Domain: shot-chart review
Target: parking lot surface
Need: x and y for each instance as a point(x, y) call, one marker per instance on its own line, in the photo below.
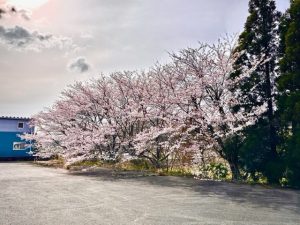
point(34, 195)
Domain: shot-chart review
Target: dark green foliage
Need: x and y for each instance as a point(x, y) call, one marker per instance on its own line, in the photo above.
point(231, 150)
point(289, 87)
point(293, 160)
point(255, 154)
point(256, 44)
point(253, 76)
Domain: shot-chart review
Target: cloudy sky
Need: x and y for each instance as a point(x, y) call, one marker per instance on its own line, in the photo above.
point(47, 44)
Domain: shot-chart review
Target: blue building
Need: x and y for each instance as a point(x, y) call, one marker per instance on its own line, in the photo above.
point(11, 145)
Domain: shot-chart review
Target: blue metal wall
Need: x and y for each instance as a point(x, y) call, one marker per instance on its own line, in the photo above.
point(9, 132)
point(11, 125)
point(6, 145)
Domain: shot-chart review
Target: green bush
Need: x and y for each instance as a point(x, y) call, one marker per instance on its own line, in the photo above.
point(216, 171)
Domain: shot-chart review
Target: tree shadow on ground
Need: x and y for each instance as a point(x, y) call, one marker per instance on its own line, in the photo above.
point(256, 195)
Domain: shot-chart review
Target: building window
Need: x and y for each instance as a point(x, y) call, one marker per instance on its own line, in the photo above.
point(19, 146)
point(20, 125)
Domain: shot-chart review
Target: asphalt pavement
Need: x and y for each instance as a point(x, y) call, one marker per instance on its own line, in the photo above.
point(35, 195)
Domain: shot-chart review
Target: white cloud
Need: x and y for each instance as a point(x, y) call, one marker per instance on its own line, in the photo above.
point(79, 65)
point(7, 10)
point(127, 35)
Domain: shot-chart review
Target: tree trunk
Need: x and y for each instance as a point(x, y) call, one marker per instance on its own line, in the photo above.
point(272, 130)
point(271, 167)
point(234, 170)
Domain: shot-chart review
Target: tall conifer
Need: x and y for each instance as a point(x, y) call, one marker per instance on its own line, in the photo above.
point(289, 87)
point(257, 53)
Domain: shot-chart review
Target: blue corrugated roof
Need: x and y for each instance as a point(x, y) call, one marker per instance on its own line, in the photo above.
point(14, 118)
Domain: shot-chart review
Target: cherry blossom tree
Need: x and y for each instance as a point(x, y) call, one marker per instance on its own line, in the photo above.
point(183, 106)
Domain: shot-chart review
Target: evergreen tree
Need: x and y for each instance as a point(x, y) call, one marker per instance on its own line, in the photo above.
point(257, 52)
point(289, 87)
point(254, 152)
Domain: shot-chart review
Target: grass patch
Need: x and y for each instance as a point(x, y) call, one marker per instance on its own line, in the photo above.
point(178, 172)
point(90, 163)
point(56, 163)
point(135, 165)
